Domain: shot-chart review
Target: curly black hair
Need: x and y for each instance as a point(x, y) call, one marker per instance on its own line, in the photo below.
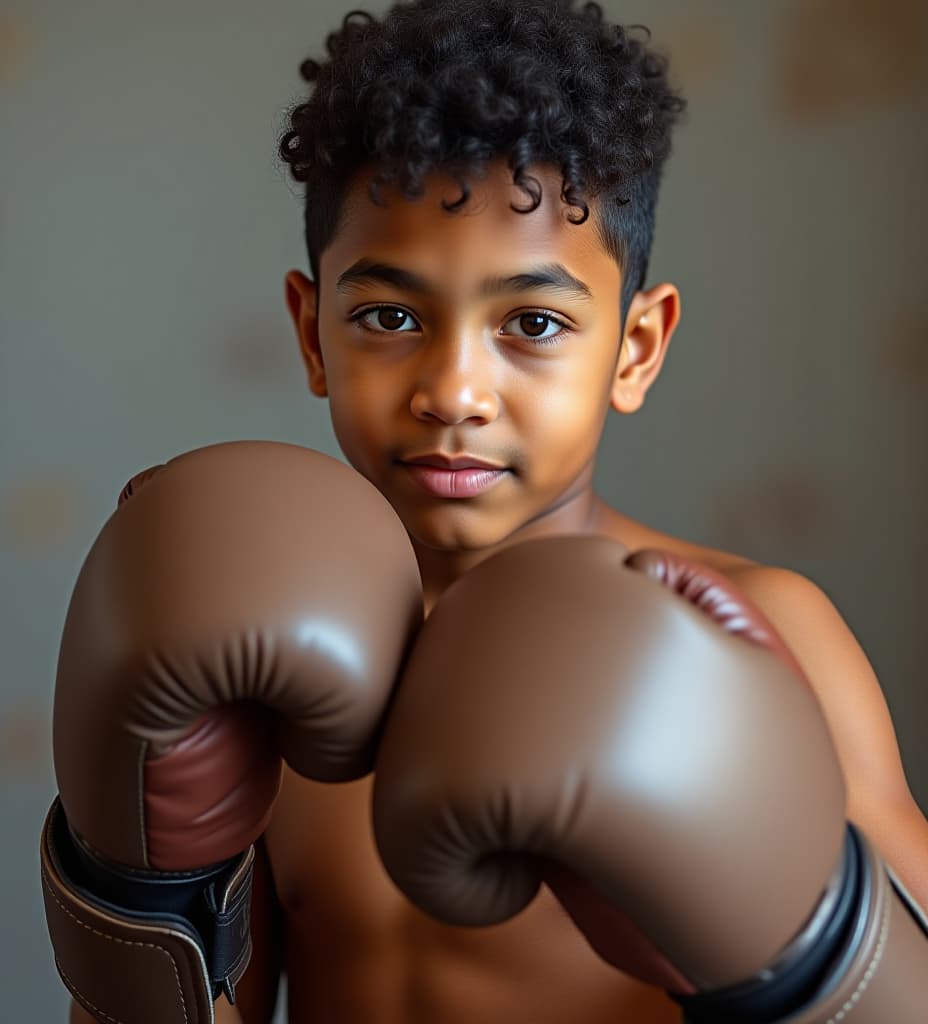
point(454, 84)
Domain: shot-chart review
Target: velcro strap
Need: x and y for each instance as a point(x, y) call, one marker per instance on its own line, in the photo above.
point(136, 947)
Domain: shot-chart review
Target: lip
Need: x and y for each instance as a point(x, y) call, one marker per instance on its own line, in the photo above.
point(440, 461)
point(460, 476)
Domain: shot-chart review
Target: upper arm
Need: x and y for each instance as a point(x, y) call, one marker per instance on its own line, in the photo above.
point(879, 798)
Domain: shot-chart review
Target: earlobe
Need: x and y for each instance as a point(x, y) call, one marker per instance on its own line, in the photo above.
point(300, 294)
point(652, 318)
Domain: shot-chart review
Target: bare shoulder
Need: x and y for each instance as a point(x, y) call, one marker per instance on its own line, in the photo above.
point(637, 536)
point(798, 608)
point(850, 695)
point(797, 605)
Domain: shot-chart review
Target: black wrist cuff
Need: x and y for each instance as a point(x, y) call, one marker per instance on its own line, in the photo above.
point(774, 994)
point(210, 905)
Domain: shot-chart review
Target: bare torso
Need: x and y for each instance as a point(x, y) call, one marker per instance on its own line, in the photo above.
point(356, 951)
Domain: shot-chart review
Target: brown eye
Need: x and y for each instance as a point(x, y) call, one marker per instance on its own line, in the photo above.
point(389, 319)
point(533, 323)
point(383, 318)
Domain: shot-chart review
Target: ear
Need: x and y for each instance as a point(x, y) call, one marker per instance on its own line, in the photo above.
point(301, 301)
point(652, 318)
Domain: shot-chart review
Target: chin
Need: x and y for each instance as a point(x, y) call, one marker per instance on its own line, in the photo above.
point(454, 533)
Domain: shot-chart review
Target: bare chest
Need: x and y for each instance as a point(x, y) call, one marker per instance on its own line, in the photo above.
point(357, 950)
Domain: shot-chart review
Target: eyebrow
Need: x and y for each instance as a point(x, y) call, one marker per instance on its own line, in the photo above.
point(552, 276)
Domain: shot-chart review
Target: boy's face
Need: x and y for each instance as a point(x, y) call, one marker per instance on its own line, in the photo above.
point(474, 397)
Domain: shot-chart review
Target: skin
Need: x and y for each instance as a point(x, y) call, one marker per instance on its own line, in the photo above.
point(462, 374)
point(457, 371)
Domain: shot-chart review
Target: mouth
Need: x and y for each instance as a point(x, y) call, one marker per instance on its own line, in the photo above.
point(439, 461)
point(458, 476)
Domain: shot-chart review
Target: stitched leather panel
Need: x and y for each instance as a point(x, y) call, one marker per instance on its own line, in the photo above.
point(881, 976)
point(119, 970)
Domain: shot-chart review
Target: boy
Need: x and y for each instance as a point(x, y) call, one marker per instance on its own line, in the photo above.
point(471, 329)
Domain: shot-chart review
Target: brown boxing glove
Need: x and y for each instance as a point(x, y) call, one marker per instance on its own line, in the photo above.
point(247, 602)
point(563, 718)
point(863, 948)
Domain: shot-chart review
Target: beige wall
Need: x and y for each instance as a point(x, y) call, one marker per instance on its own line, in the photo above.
point(145, 230)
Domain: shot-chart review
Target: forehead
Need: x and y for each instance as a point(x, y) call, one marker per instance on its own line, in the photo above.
point(484, 238)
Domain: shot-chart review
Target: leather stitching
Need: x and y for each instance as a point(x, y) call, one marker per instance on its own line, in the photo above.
point(139, 794)
point(854, 998)
point(84, 1001)
point(122, 942)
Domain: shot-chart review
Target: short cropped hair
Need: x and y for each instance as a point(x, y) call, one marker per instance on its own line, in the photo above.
point(454, 84)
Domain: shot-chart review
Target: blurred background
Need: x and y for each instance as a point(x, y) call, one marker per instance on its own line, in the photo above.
point(145, 228)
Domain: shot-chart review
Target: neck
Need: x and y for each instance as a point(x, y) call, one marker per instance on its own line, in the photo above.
point(579, 513)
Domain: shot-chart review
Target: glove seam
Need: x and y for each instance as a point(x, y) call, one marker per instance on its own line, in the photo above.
point(851, 1003)
point(139, 791)
point(123, 942)
point(88, 1004)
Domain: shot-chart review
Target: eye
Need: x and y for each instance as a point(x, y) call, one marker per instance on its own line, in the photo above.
point(389, 318)
point(534, 321)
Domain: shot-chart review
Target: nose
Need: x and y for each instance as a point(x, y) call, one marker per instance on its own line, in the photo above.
point(455, 383)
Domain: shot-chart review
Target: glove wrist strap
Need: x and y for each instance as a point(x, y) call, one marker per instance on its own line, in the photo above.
point(798, 972)
point(142, 946)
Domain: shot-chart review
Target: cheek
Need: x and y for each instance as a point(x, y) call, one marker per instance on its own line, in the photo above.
point(359, 406)
point(354, 424)
point(568, 410)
